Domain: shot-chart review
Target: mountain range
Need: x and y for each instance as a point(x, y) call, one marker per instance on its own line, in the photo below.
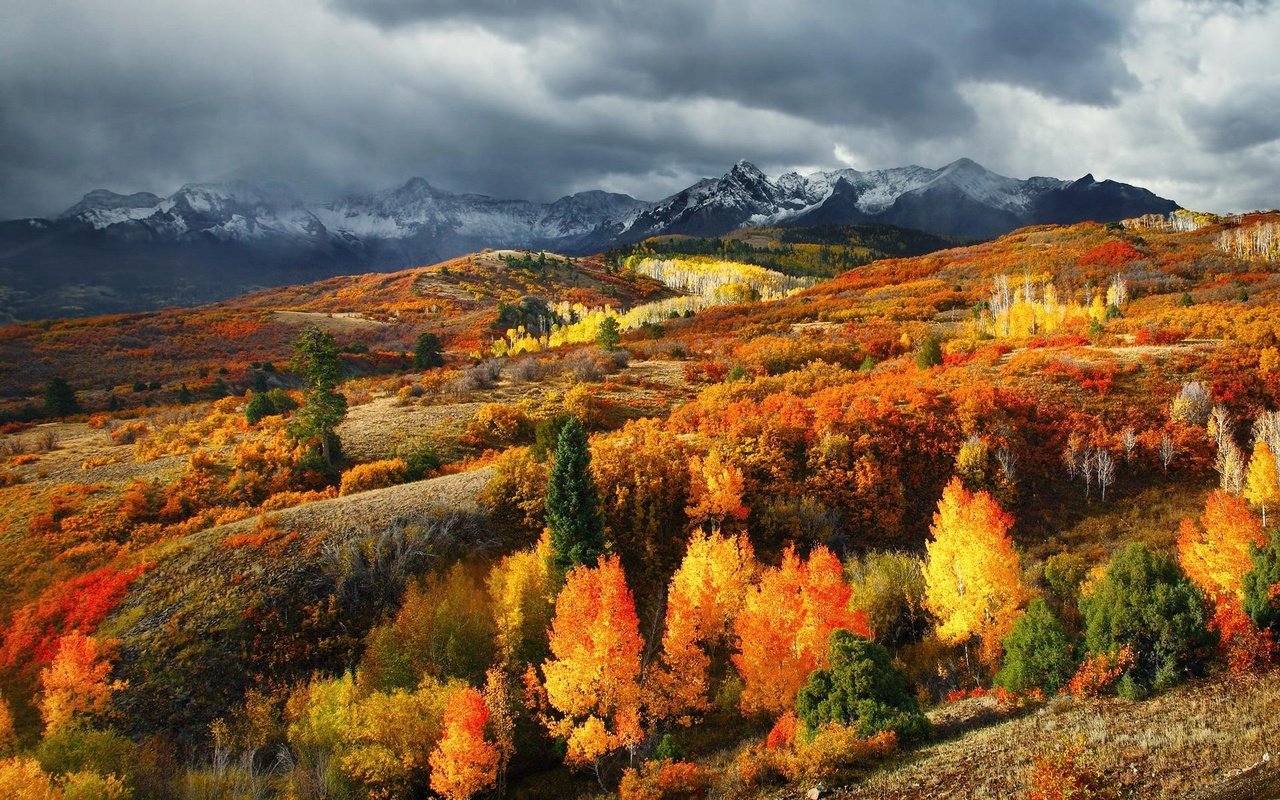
point(117, 253)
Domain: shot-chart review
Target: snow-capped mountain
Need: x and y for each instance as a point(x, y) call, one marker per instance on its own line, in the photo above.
point(209, 241)
point(961, 199)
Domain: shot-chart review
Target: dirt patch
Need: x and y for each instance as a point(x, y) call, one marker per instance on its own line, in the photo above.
point(333, 323)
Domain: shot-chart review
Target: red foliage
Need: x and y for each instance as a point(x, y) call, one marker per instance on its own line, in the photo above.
point(1115, 253)
point(783, 732)
point(1153, 334)
point(1241, 645)
point(78, 604)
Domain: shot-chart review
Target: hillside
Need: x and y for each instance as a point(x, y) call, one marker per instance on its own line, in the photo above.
point(775, 459)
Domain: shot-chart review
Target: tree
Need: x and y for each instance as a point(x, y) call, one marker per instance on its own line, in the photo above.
point(465, 762)
point(500, 700)
point(520, 587)
point(704, 598)
point(1104, 467)
point(1037, 652)
point(973, 578)
point(862, 689)
point(76, 682)
point(1262, 484)
point(608, 336)
point(427, 352)
point(315, 357)
point(60, 398)
point(573, 502)
point(785, 626)
point(593, 677)
point(1215, 553)
point(930, 353)
point(1261, 585)
point(1146, 602)
point(715, 492)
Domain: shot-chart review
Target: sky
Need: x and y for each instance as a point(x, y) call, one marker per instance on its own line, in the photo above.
point(543, 98)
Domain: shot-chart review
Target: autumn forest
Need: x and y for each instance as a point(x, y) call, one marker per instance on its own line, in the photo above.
point(853, 510)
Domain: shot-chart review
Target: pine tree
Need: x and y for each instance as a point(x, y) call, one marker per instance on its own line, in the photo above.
point(315, 357)
point(608, 336)
point(60, 398)
point(573, 503)
point(427, 352)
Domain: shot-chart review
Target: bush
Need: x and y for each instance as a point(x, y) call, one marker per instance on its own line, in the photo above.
point(1059, 775)
point(833, 749)
point(545, 434)
point(890, 588)
point(862, 689)
point(665, 779)
point(374, 475)
point(420, 459)
point(427, 352)
point(1145, 601)
point(75, 748)
point(1037, 653)
point(497, 425)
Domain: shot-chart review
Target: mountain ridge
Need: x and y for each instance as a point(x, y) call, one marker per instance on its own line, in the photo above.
point(112, 252)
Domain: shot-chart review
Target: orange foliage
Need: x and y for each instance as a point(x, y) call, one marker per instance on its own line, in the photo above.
point(465, 762)
point(715, 492)
point(1115, 253)
point(1099, 672)
point(75, 682)
point(783, 732)
point(1241, 645)
point(665, 780)
point(374, 475)
point(1215, 552)
point(1061, 776)
point(593, 679)
point(784, 626)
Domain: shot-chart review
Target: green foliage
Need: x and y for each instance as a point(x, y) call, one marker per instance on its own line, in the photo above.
point(1260, 602)
point(608, 337)
point(573, 502)
point(323, 408)
point(268, 404)
point(420, 459)
point(1037, 652)
point(862, 689)
point(60, 398)
point(668, 749)
point(1063, 574)
point(76, 748)
point(930, 353)
point(1145, 601)
point(1185, 300)
point(546, 433)
point(428, 352)
point(889, 587)
point(868, 364)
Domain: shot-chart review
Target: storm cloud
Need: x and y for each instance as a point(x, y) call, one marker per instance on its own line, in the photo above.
point(538, 99)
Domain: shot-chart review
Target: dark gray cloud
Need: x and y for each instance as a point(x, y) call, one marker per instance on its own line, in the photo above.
point(536, 99)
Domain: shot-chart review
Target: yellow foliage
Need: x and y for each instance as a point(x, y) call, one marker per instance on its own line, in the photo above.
point(973, 580)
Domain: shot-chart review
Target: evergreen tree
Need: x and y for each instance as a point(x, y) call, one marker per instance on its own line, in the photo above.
point(60, 398)
point(930, 353)
point(608, 336)
point(315, 358)
point(1037, 652)
point(1146, 601)
point(1260, 602)
point(573, 502)
point(427, 353)
point(862, 689)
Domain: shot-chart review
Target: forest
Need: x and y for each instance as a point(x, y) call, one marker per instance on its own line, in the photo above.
point(692, 520)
